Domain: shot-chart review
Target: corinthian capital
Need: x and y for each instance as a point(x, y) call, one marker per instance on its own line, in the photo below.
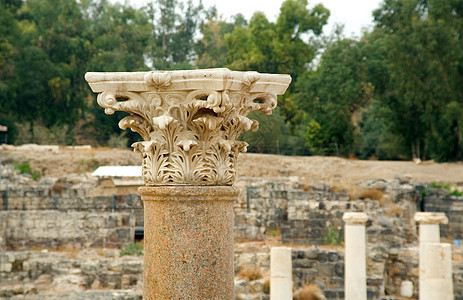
point(189, 120)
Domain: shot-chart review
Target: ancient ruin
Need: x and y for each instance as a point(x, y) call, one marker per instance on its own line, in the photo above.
point(64, 234)
point(281, 273)
point(435, 258)
point(355, 258)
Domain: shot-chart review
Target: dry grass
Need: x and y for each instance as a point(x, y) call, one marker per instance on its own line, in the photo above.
point(338, 188)
point(365, 194)
point(306, 188)
point(250, 274)
point(392, 210)
point(309, 292)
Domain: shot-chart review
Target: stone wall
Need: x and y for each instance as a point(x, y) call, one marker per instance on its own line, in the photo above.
point(311, 265)
point(439, 200)
point(89, 274)
point(70, 193)
point(63, 195)
point(309, 214)
point(55, 229)
point(65, 213)
point(312, 215)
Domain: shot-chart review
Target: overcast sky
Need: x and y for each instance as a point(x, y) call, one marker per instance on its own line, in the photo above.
point(354, 14)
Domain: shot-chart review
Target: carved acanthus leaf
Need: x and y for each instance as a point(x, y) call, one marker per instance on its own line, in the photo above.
point(163, 121)
point(190, 120)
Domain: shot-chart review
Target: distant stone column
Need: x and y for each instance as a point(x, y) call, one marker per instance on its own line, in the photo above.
point(428, 233)
point(436, 278)
point(190, 122)
point(281, 274)
point(355, 283)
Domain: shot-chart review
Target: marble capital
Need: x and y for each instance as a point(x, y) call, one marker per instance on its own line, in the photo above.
point(355, 218)
point(431, 218)
point(190, 121)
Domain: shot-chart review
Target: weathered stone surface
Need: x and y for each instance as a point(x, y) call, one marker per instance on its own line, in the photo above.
point(55, 229)
point(188, 242)
point(355, 259)
point(190, 120)
point(436, 272)
point(431, 218)
point(354, 218)
point(281, 282)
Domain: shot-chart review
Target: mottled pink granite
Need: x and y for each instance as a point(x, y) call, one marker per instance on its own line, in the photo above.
point(188, 242)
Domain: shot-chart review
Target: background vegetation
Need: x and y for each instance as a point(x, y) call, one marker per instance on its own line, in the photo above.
point(396, 92)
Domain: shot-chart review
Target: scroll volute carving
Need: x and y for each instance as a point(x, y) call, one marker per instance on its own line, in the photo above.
point(189, 120)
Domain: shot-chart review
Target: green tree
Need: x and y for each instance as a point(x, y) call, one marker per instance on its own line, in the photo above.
point(9, 34)
point(175, 28)
point(120, 37)
point(211, 49)
point(425, 56)
point(287, 46)
point(281, 47)
point(333, 97)
point(50, 62)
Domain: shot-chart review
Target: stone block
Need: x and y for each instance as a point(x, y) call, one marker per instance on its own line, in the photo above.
point(312, 254)
point(339, 269)
point(263, 260)
point(333, 256)
point(132, 267)
point(241, 286)
point(257, 286)
point(6, 267)
point(326, 269)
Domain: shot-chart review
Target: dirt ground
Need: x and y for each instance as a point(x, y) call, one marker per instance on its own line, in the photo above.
point(308, 170)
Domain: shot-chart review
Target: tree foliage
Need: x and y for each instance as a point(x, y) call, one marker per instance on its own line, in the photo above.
point(424, 97)
point(394, 93)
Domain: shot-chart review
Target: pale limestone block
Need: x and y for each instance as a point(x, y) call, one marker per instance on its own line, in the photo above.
point(125, 281)
point(406, 289)
point(257, 286)
point(247, 259)
point(12, 222)
point(43, 282)
point(241, 286)
point(355, 257)
point(6, 267)
point(96, 284)
point(436, 273)
point(281, 282)
point(263, 260)
point(355, 218)
point(428, 233)
point(431, 218)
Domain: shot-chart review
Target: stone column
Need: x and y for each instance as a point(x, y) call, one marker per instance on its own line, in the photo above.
point(188, 241)
point(428, 233)
point(355, 258)
point(436, 280)
point(281, 274)
point(190, 122)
